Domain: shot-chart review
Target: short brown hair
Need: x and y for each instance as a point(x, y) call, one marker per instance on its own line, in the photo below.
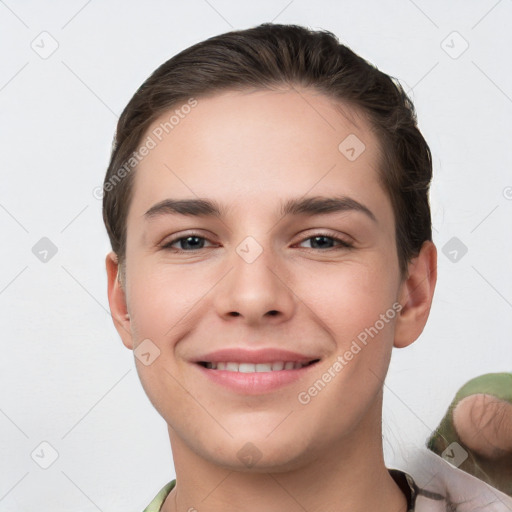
point(268, 56)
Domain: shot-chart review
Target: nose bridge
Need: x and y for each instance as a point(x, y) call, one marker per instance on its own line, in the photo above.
point(255, 265)
point(254, 285)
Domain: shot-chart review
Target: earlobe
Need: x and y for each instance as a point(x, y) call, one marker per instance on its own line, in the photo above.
point(117, 301)
point(416, 293)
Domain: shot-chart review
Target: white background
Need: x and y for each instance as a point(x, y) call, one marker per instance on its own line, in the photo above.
point(65, 377)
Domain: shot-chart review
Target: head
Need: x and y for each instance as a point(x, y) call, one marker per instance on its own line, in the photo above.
point(295, 139)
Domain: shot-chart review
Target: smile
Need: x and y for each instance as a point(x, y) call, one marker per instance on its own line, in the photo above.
point(273, 366)
point(255, 378)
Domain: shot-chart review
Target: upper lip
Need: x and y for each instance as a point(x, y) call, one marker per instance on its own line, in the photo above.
point(264, 355)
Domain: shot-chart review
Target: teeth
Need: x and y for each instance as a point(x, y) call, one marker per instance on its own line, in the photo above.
point(231, 366)
point(245, 367)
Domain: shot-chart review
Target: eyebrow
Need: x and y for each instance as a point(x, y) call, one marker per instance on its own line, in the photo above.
point(317, 205)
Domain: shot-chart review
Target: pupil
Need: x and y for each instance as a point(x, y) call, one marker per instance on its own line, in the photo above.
point(317, 238)
point(186, 241)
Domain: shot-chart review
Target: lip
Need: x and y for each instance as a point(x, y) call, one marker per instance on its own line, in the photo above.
point(263, 355)
point(257, 383)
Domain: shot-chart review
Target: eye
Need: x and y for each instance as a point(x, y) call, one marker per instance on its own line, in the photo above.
point(195, 242)
point(324, 241)
point(189, 243)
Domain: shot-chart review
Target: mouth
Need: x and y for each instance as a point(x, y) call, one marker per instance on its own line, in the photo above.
point(246, 367)
point(249, 374)
point(255, 372)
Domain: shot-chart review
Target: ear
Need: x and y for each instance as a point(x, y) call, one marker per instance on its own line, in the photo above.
point(117, 301)
point(415, 296)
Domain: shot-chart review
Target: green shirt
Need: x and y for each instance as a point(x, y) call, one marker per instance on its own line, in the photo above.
point(159, 499)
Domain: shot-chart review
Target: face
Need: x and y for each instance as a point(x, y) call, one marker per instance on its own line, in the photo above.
point(270, 321)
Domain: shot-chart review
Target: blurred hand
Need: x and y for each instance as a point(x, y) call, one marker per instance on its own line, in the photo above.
point(484, 425)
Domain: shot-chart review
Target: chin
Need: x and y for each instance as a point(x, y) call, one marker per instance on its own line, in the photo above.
point(258, 454)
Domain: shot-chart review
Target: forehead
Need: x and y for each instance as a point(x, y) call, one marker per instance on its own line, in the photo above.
point(242, 147)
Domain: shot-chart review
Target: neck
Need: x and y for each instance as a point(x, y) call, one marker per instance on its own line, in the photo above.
point(349, 475)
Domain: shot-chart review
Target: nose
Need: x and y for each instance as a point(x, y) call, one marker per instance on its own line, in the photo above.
point(258, 291)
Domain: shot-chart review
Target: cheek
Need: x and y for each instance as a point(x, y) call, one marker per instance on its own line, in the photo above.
point(162, 299)
point(350, 298)
point(161, 304)
point(356, 309)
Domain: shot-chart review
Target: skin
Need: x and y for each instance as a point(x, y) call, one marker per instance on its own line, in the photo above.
point(249, 151)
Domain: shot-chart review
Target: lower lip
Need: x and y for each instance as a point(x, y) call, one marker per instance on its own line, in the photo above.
point(255, 383)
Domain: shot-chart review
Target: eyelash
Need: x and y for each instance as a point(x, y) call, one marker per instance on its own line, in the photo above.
point(342, 243)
